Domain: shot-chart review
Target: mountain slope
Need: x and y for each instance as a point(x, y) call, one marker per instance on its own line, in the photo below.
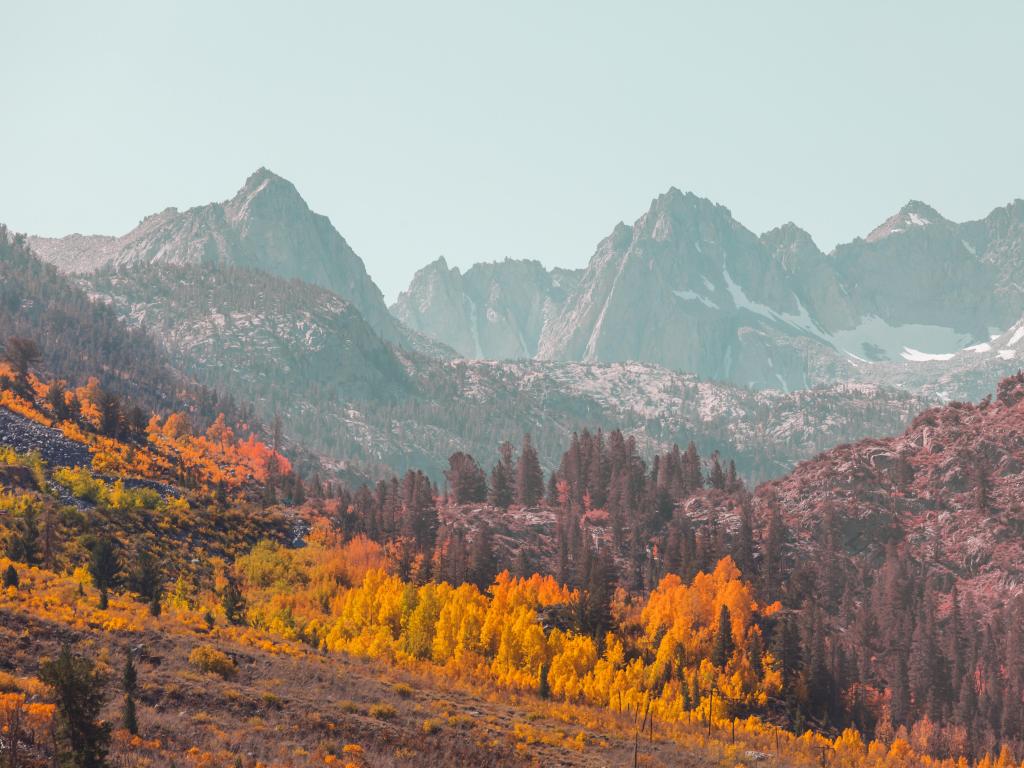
point(77, 337)
point(949, 489)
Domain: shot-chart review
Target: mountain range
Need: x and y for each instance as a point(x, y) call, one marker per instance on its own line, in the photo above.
point(262, 298)
point(921, 302)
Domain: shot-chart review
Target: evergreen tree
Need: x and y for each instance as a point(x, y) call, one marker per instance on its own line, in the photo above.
point(467, 483)
point(544, 689)
point(600, 589)
point(723, 647)
point(144, 577)
point(502, 491)
point(11, 577)
point(104, 566)
point(56, 398)
point(785, 648)
point(693, 477)
point(78, 689)
point(109, 406)
point(529, 477)
point(716, 477)
point(552, 492)
point(482, 563)
point(420, 513)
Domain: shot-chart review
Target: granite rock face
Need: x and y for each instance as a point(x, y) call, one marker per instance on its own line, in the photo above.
point(493, 311)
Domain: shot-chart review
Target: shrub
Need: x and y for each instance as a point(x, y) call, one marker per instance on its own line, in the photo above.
point(431, 725)
point(349, 707)
point(208, 659)
point(403, 690)
point(81, 483)
point(383, 711)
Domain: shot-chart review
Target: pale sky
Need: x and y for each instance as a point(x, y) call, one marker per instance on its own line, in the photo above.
point(483, 130)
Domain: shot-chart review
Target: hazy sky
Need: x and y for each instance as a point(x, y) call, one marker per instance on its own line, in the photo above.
point(482, 130)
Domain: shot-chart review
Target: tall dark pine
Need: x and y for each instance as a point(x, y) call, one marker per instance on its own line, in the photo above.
point(723, 647)
point(467, 483)
point(420, 514)
point(529, 477)
point(483, 565)
point(693, 477)
point(502, 492)
point(716, 476)
point(78, 688)
point(104, 566)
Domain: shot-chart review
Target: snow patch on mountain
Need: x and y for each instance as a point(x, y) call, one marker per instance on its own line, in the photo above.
point(694, 296)
point(917, 356)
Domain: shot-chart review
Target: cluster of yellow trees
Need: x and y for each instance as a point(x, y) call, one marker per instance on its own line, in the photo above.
point(659, 658)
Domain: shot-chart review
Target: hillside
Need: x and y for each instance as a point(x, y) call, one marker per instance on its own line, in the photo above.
point(747, 618)
point(298, 350)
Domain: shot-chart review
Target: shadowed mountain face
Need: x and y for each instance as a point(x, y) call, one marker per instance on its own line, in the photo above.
point(495, 310)
point(689, 288)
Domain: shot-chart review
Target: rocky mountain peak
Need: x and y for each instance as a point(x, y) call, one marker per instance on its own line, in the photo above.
point(912, 215)
point(789, 237)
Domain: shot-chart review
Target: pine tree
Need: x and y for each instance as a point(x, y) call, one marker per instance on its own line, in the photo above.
point(551, 497)
point(600, 586)
point(502, 491)
point(78, 689)
point(693, 477)
point(716, 477)
point(467, 483)
point(104, 566)
point(11, 577)
point(482, 564)
point(109, 406)
point(529, 477)
point(144, 577)
point(723, 646)
point(785, 647)
point(743, 552)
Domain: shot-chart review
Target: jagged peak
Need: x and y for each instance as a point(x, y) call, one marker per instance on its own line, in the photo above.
point(264, 181)
point(922, 211)
point(438, 266)
point(913, 214)
point(260, 175)
point(788, 233)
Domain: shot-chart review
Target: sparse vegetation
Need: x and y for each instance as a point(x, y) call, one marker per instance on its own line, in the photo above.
point(208, 659)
